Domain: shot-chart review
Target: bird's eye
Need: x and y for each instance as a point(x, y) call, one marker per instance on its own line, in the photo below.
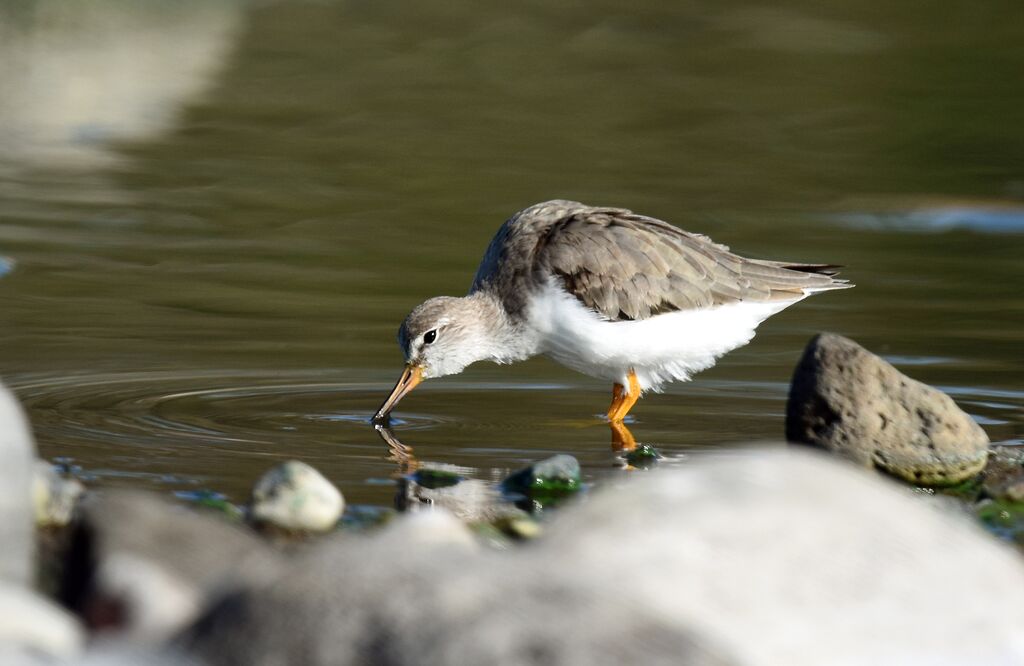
point(430, 336)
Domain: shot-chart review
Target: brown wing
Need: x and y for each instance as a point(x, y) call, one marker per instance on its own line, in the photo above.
point(628, 266)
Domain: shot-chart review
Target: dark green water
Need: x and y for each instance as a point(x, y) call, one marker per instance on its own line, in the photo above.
point(214, 216)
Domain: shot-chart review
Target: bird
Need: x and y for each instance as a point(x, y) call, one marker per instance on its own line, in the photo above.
point(607, 292)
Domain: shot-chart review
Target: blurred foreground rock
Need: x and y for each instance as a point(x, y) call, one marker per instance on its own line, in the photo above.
point(142, 567)
point(849, 401)
point(295, 496)
point(17, 461)
point(33, 630)
point(767, 557)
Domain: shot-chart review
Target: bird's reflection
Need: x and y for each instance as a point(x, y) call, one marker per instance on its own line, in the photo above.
point(622, 438)
point(398, 452)
point(402, 454)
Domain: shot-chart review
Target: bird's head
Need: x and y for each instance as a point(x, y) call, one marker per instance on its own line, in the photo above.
point(441, 336)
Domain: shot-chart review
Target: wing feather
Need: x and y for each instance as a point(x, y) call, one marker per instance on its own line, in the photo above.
point(628, 266)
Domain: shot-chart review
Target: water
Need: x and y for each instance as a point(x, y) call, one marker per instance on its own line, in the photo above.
point(213, 216)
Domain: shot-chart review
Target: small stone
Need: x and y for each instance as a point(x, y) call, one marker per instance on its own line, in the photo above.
point(849, 401)
point(437, 477)
point(294, 496)
point(546, 483)
point(54, 497)
point(644, 455)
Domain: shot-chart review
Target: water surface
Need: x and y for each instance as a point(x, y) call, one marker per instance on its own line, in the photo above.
point(213, 216)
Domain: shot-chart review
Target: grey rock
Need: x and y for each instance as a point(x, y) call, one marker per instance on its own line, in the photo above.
point(789, 557)
point(33, 628)
point(849, 401)
point(754, 558)
point(17, 458)
point(295, 496)
point(402, 597)
point(142, 566)
point(54, 497)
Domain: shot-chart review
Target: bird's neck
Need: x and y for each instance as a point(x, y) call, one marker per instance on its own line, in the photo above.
point(508, 339)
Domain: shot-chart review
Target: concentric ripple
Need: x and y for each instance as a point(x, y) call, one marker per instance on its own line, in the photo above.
point(213, 429)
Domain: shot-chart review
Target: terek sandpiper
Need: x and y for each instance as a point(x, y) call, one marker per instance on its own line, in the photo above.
point(606, 292)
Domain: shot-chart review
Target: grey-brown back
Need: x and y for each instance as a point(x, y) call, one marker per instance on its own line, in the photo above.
point(628, 266)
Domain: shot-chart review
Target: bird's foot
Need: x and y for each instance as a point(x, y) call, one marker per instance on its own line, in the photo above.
point(622, 401)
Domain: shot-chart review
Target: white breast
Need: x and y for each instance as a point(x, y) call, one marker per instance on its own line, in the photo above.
point(669, 346)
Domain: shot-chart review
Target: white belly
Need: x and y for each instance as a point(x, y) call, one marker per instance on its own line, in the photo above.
point(666, 347)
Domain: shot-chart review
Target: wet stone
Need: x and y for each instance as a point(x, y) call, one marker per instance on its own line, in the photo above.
point(546, 483)
point(437, 477)
point(644, 455)
point(295, 496)
point(851, 402)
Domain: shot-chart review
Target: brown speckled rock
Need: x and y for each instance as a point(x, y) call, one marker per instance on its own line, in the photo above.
point(849, 401)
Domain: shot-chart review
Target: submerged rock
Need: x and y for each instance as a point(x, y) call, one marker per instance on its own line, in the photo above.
point(849, 401)
point(295, 496)
point(545, 483)
point(54, 497)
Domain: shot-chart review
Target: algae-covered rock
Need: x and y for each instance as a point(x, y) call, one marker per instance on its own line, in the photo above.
point(643, 456)
point(545, 483)
point(295, 496)
point(1004, 518)
point(849, 401)
point(213, 502)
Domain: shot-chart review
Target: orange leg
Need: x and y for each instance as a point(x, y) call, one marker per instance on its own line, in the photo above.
point(622, 402)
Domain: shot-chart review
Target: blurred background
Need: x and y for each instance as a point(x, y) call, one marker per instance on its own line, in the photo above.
point(214, 215)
